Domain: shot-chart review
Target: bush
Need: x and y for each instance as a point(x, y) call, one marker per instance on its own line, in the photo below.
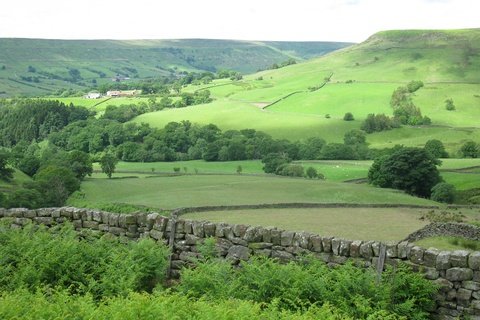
point(444, 192)
point(57, 258)
point(296, 286)
point(311, 172)
point(348, 117)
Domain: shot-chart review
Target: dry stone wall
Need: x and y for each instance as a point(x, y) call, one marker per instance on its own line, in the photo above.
point(457, 272)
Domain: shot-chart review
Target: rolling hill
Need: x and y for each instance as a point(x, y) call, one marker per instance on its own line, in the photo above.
point(292, 102)
point(52, 61)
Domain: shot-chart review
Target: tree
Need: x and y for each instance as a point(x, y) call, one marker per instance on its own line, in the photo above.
point(355, 137)
point(80, 163)
point(449, 105)
point(5, 173)
point(348, 117)
point(311, 172)
point(29, 165)
point(272, 161)
point(108, 162)
point(25, 198)
point(436, 148)
point(444, 192)
point(413, 170)
point(239, 169)
point(470, 150)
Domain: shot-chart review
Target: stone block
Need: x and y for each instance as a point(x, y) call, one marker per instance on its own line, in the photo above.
point(287, 238)
point(209, 229)
point(277, 237)
point(443, 260)
point(316, 244)
point(155, 234)
point(355, 248)
point(471, 285)
point(392, 249)
point(238, 252)
point(325, 256)
point(141, 218)
point(344, 249)
point(302, 239)
point(191, 239)
point(220, 229)
point(295, 250)
point(402, 249)
point(188, 256)
point(444, 283)
point(43, 220)
point(239, 230)
point(327, 243)
point(150, 220)
point(282, 256)
point(253, 234)
point(430, 257)
point(198, 228)
point(187, 226)
point(459, 274)
point(90, 225)
point(474, 260)
point(464, 294)
point(260, 245)
point(96, 216)
point(240, 242)
point(366, 250)
point(116, 230)
point(336, 246)
point(29, 213)
point(112, 219)
point(459, 258)
point(267, 235)
point(416, 255)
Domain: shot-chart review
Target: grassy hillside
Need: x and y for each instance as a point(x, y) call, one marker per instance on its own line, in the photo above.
point(359, 79)
point(100, 59)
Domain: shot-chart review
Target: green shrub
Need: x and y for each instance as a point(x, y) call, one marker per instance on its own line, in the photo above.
point(299, 286)
point(58, 258)
point(444, 192)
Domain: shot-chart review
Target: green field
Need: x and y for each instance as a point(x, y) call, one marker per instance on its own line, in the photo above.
point(199, 190)
point(350, 223)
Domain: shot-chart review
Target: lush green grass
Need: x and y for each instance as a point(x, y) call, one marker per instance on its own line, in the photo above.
point(431, 99)
point(462, 181)
point(236, 115)
point(338, 99)
point(380, 224)
point(248, 166)
point(443, 243)
point(198, 190)
point(459, 163)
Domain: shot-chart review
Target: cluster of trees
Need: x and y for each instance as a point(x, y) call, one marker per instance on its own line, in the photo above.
point(33, 120)
point(405, 112)
point(413, 170)
point(285, 63)
point(55, 176)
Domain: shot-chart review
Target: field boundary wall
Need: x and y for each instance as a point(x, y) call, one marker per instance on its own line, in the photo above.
point(457, 272)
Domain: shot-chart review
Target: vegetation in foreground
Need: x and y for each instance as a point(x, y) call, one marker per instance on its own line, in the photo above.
point(85, 277)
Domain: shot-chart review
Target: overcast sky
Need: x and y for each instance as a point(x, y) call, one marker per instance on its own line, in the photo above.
point(301, 20)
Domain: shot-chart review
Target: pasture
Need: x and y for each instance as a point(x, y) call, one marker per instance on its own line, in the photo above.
point(380, 224)
point(205, 190)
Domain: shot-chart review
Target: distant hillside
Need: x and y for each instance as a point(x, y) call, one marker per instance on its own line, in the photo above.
point(311, 98)
point(37, 66)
